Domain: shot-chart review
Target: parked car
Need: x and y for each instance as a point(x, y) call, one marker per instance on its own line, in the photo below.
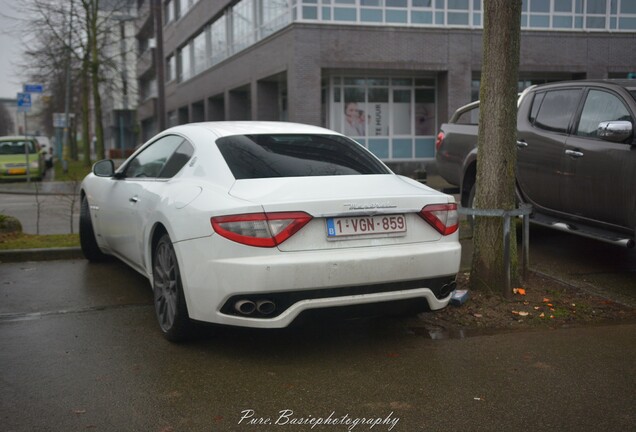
point(252, 223)
point(47, 150)
point(576, 156)
point(16, 154)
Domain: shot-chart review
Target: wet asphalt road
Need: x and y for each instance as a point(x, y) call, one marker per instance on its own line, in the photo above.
point(80, 350)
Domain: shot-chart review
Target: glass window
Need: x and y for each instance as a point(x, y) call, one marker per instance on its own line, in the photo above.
point(310, 12)
point(150, 162)
point(184, 66)
point(219, 40)
point(355, 116)
point(540, 6)
point(379, 147)
point(562, 22)
point(627, 23)
point(169, 11)
point(456, 18)
point(458, 4)
point(536, 104)
point(267, 156)
point(16, 147)
point(378, 112)
point(470, 117)
point(423, 3)
point(421, 17)
point(243, 25)
point(344, 14)
point(557, 110)
point(200, 53)
point(540, 21)
point(563, 5)
point(396, 16)
point(425, 112)
point(402, 112)
point(628, 7)
point(396, 3)
point(403, 148)
point(177, 161)
point(596, 6)
point(601, 106)
point(371, 15)
point(595, 22)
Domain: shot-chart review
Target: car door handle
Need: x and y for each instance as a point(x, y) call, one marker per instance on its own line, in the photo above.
point(522, 144)
point(574, 153)
point(134, 199)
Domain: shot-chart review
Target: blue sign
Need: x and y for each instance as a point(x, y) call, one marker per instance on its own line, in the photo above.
point(24, 102)
point(33, 88)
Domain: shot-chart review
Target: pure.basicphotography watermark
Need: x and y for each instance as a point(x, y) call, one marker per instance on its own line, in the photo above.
point(286, 417)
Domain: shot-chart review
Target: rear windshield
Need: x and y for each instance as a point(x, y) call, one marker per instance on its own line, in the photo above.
point(16, 147)
point(266, 156)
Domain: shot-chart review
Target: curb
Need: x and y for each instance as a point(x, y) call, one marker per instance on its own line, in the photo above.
point(44, 254)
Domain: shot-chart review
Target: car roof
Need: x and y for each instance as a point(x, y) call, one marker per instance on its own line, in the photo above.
point(229, 128)
point(625, 83)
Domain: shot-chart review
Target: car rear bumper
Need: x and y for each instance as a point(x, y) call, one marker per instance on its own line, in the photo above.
point(312, 279)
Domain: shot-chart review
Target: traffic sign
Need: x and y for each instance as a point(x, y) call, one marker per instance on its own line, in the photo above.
point(24, 102)
point(33, 88)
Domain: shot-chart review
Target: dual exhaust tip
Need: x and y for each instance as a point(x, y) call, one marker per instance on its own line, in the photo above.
point(249, 307)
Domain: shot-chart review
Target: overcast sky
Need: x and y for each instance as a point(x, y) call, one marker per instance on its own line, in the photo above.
point(10, 50)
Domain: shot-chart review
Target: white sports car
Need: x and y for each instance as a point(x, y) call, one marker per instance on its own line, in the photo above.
point(252, 223)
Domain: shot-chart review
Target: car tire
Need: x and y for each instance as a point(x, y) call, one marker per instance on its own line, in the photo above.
point(170, 306)
point(89, 245)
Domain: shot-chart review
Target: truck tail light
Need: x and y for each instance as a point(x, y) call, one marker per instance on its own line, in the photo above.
point(260, 229)
point(443, 217)
point(438, 140)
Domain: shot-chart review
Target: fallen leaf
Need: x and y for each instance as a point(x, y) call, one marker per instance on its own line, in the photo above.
point(550, 304)
point(78, 412)
point(542, 315)
point(477, 315)
point(521, 291)
point(545, 300)
point(523, 314)
point(552, 309)
point(551, 316)
point(573, 305)
point(537, 308)
point(515, 313)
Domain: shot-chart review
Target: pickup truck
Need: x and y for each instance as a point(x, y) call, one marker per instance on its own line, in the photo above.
point(576, 156)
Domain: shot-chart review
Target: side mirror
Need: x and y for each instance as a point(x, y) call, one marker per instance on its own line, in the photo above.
point(104, 168)
point(615, 131)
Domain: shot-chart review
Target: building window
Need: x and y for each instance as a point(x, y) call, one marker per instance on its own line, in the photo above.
point(171, 68)
point(184, 64)
point(168, 12)
point(200, 58)
point(394, 118)
point(218, 35)
point(243, 25)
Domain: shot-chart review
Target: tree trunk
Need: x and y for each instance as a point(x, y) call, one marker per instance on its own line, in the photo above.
point(91, 9)
point(86, 131)
point(497, 159)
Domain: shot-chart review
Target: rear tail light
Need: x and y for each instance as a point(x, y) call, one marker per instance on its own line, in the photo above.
point(442, 217)
point(260, 229)
point(438, 140)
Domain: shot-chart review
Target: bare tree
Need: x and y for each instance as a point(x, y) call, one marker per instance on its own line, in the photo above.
point(92, 54)
point(496, 142)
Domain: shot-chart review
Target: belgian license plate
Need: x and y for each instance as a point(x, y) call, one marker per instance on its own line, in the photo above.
point(366, 225)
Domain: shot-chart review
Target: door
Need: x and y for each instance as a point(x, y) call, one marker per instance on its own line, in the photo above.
point(541, 139)
point(135, 195)
point(600, 176)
